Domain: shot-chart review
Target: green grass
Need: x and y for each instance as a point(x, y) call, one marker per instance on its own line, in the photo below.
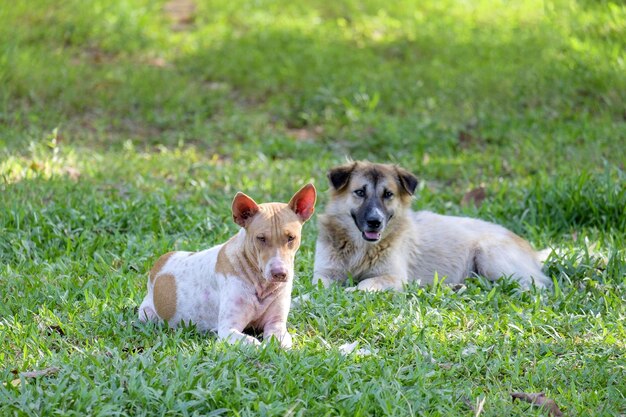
point(122, 137)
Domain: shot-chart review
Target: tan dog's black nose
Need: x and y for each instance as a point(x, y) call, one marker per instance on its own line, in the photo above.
point(280, 276)
point(279, 273)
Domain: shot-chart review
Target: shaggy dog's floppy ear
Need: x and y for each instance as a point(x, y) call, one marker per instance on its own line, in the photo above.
point(339, 176)
point(407, 180)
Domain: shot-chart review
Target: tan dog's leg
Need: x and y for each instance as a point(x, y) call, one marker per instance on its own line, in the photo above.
point(147, 311)
point(234, 316)
point(278, 329)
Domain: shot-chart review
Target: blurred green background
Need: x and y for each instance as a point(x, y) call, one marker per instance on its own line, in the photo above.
point(541, 81)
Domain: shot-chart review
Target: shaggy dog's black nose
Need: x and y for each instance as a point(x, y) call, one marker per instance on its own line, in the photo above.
point(373, 224)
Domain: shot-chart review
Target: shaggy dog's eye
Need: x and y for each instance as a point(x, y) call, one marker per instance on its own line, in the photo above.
point(359, 193)
point(261, 239)
point(291, 238)
point(387, 194)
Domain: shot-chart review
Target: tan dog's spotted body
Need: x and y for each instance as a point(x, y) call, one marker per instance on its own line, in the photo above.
point(369, 232)
point(243, 283)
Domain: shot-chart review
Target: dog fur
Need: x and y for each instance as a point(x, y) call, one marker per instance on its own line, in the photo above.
point(243, 283)
point(368, 232)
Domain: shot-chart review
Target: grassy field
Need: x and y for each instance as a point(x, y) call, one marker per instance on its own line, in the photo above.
point(127, 126)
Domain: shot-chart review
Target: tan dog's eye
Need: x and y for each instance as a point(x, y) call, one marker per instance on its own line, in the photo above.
point(291, 238)
point(359, 193)
point(261, 239)
point(387, 194)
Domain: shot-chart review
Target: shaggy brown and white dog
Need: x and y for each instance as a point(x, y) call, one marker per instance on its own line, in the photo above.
point(369, 232)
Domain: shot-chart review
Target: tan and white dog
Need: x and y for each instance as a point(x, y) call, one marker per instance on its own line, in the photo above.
point(243, 283)
point(370, 233)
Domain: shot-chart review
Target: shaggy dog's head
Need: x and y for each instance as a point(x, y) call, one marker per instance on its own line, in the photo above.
point(371, 194)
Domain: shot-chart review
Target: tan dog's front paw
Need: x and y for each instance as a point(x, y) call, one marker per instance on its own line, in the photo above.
point(252, 341)
point(284, 339)
point(238, 337)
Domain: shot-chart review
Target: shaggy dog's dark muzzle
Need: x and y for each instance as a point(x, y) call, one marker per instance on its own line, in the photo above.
point(371, 219)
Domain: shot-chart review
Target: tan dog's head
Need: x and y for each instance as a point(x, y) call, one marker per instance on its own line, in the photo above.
point(371, 194)
point(273, 231)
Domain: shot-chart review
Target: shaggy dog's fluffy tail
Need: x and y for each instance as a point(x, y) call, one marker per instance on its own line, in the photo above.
point(544, 254)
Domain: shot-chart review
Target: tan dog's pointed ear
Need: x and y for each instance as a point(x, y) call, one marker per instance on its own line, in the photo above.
point(244, 208)
point(340, 176)
point(303, 202)
point(407, 180)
